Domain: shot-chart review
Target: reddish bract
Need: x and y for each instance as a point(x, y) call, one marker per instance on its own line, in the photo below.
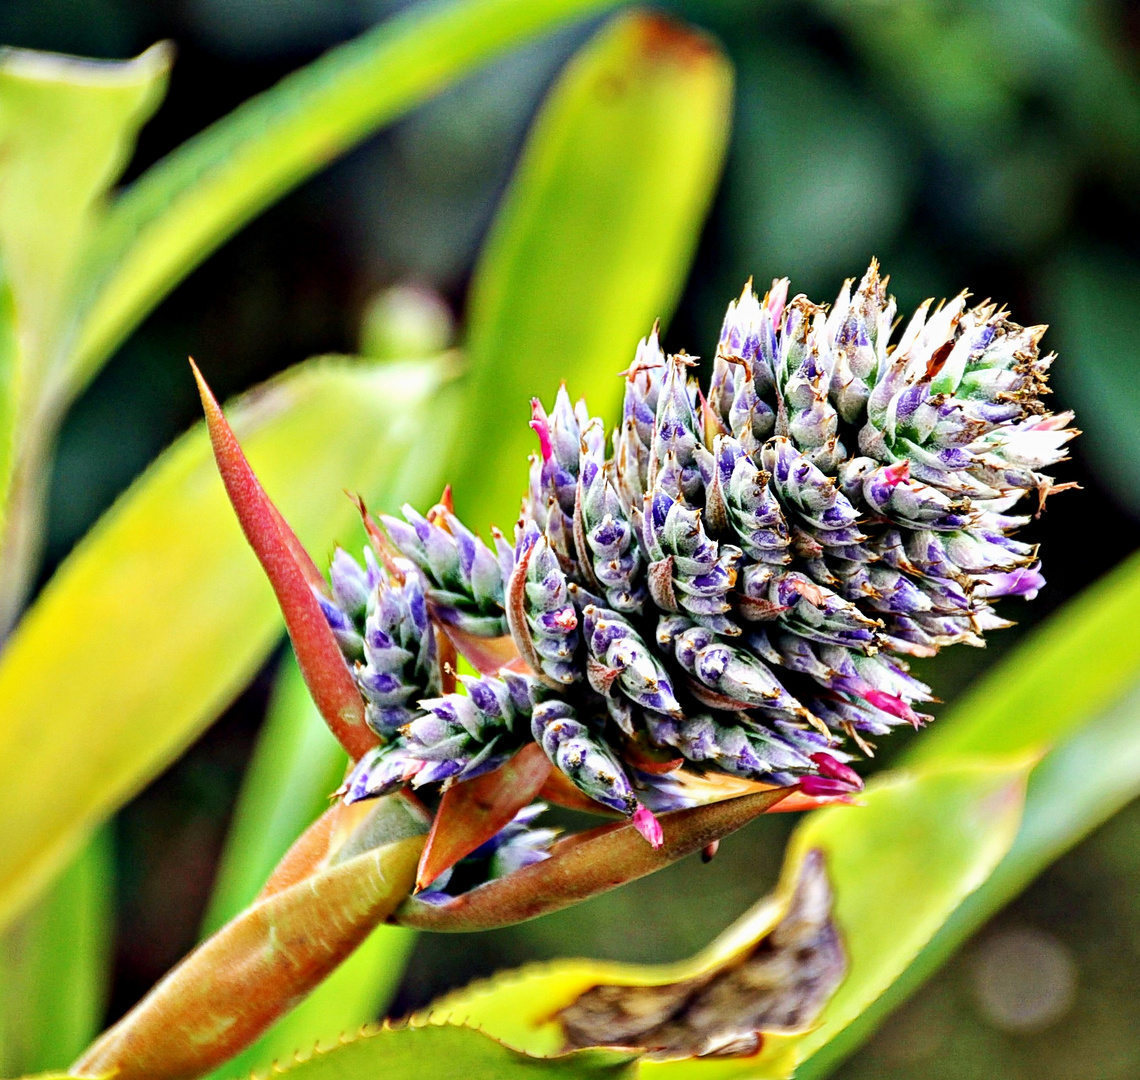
point(292, 574)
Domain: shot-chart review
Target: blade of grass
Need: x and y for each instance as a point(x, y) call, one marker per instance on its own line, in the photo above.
point(592, 242)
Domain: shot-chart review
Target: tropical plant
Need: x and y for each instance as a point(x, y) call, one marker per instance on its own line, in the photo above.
point(165, 616)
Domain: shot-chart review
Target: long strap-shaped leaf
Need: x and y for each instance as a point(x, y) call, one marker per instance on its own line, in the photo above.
point(184, 207)
point(55, 966)
point(592, 243)
point(1070, 690)
point(162, 614)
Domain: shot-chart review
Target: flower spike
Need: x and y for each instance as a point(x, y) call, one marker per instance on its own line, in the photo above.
point(729, 587)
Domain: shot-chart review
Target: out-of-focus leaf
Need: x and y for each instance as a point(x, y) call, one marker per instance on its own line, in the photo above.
point(49, 1076)
point(902, 864)
point(184, 207)
point(406, 322)
point(295, 765)
point(920, 843)
point(819, 181)
point(967, 69)
point(359, 864)
point(162, 613)
point(55, 966)
point(444, 1052)
point(1074, 685)
point(1063, 675)
point(1096, 298)
point(67, 128)
point(9, 366)
point(592, 242)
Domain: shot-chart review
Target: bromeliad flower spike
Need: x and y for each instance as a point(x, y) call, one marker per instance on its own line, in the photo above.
point(719, 598)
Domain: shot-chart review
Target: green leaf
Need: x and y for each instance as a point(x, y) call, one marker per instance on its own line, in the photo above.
point(189, 203)
point(452, 1053)
point(55, 966)
point(592, 242)
point(919, 844)
point(1079, 785)
point(9, 370)
point(67, 128)
point(295, 765)
point(162, 614)
point(1096, 298)
point(1072, 687)
point(902, 864)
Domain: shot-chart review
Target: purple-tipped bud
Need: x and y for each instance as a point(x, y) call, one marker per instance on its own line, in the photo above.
point(466, 587)
point(622, 661)
point(844, 497)
point(582, 757)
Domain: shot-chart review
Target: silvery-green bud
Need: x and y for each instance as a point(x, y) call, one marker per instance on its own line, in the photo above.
point(465, 576)
point(620, 660)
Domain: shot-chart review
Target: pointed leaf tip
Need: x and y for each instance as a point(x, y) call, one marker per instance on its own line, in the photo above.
point(293, 576)
point(471, 812)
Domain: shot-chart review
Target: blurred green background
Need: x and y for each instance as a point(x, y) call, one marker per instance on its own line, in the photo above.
point(989, 145)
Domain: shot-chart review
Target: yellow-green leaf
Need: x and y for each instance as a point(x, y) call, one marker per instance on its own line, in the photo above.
point(451, 1053)
point(898, 865)
point(162, 614)
point(902, 863)
point(189, 203)
point(67, 128)
point(1071, 688)
point(592, 243)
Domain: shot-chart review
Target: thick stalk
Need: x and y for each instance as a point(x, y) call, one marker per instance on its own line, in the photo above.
point(238, 982)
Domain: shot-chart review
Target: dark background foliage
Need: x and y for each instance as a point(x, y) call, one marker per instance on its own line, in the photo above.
point(987, 145)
